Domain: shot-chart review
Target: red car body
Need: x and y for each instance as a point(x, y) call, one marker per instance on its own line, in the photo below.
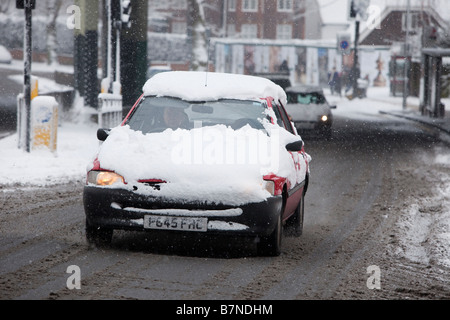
point(119, 208)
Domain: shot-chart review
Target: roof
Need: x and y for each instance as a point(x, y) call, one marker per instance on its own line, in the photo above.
point(434, 12)
point(207, 86)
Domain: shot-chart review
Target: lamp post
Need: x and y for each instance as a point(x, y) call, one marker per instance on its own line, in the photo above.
point(28, 6)
point(406, 65)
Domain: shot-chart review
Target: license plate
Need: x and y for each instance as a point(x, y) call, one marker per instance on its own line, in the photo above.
point(176, 223)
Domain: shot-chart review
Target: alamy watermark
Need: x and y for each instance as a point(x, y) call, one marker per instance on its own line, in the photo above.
point(74, 280)
point(219, 146)
point(374, 280)
point(74, 20)
point(373, 20)
point(372, 17)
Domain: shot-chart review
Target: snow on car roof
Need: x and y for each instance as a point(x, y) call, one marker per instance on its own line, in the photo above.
point(206, 86)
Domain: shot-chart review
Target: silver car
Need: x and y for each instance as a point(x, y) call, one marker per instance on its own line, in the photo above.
point(309, 109)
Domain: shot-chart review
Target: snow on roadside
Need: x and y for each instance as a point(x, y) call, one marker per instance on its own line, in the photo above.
point(368, 109)
point(76, 145)
point(424, 227)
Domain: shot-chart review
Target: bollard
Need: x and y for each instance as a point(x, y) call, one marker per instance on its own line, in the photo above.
point(34, 87)
point(44, 122)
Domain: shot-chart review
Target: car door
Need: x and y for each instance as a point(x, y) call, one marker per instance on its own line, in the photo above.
point(294, 191)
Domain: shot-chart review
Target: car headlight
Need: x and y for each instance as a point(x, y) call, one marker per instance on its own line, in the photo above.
point(324, 118)
point(104, 178)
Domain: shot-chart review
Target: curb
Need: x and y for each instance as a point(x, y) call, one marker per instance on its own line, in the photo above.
point(437, 126)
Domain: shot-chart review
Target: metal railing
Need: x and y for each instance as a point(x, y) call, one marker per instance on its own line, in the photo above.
point(109, 110)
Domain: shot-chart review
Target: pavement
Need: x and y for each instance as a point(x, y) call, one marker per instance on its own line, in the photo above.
point(411, 112)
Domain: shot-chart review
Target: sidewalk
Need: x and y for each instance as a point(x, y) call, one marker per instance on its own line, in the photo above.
point(412, 113)
point(381, 99)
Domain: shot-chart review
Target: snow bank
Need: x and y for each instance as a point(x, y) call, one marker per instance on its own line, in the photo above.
point(213, 164)
point(204, 86)
point(424, 227)
point(425, 231)
point(75, 147)
point(45, 85)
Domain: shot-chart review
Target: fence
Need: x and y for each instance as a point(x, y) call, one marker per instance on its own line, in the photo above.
point(109, 110)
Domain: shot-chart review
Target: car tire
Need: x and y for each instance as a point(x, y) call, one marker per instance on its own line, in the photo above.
point(98, 236)
point(271, 245)
point(294, 225)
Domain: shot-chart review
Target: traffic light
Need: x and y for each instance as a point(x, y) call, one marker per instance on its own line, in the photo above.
point(352, 11)
point(125, 11)
point(20, 4)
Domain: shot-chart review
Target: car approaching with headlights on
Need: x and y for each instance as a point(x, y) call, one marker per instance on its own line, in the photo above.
point(309, 110)
point(208, 153)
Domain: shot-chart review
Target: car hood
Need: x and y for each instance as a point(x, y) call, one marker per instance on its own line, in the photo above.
point(216, 164)
point(307, 112)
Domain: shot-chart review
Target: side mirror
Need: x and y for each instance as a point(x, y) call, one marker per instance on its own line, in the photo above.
point(102, 134)
point(296, 146)
point(333, 107)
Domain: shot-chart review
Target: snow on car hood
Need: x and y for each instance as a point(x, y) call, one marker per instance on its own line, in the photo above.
point(209, 86)
point(213, 164)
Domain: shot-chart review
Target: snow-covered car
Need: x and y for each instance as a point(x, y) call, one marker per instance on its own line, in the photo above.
point(309, 109)
point(200, 152)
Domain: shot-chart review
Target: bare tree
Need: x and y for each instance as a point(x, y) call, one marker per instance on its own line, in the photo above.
point(197, 35)
point(53, 7)
point(5, 6)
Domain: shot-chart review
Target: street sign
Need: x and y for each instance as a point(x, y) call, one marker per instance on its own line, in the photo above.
point(344, 43)
point(20, 4)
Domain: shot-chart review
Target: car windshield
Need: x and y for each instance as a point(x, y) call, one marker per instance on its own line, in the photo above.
point(155, 114)
point(306, 98)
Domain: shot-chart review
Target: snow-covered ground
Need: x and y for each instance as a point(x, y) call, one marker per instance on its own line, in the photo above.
point(424, 226)
point(76, 144)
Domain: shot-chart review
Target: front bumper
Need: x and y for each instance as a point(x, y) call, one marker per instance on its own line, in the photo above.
point(123, 209)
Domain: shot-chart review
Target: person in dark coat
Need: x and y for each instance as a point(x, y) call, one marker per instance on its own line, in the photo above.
point(334, 81)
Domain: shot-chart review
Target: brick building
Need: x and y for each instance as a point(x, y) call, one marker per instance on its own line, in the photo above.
point(247, 19)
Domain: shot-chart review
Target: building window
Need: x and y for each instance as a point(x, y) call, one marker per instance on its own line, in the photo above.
point(284, 31)
point(179, 27)
point(284, 5)
point(250, 5)
point(413, 21)
point(231, 5)
point(298, 5)
point(249, 31)
point(178, 4)
point(231, 30)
